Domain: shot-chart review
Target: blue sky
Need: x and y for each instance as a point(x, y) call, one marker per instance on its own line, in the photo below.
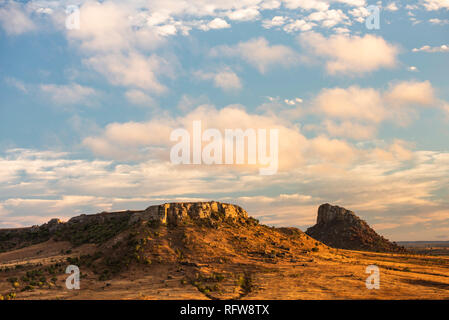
point(86, 113)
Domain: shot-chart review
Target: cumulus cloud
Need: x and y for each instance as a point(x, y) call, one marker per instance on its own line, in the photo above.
point(427, 48)
point(246, 14)
point(359, 13)
point(276, 21)
point(391, 7)
point(150, 140)
point(350, 129)
point(328, 18)
point(139, 97)
point(346, 54)
point(359, 111)
point(133, 69)
point(259, 53)
point(431, 5)
point(351, 103)
point(411, 93)
point(298, 25)
point(218, 23)
point(439, 21)
point(225, 79)
point(307, 4)
point(138, 140)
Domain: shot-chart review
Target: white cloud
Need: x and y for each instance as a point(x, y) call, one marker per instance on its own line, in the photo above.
point(340, 30)
point(355, 3)
point(411, 6)
point(426, 48)
point(276, 21)
point(298, 25)
point(246, 14)
point(225, 79)
point(293, 102)
point(166, 30)
point(359, 13)
point(411, 93)
point(270, 4)
point(439, 21)
point(436, 4)
point(307, 4)
point(139, 97)
point(125, 141)
point(218, 23)
point(259, 53)
point(352, 103)
point(350, 129)
point(109, 27)
point(328, 18)
point(346, 54)
point(131, 69)
point(15, 19)
point(392, 7)
point(68, 94)
point(367, 106)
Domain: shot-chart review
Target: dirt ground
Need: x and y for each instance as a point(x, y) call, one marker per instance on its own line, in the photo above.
point(326, 274)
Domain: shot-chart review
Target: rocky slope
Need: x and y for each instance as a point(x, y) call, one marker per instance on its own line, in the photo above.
point(338, 227)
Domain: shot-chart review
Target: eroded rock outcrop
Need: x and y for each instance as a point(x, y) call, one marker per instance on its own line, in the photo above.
point(341, 228)
point(174, 213)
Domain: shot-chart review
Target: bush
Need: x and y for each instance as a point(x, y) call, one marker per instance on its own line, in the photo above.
point(10, 296)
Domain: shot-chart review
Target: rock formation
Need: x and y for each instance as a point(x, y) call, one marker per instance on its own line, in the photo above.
point(341, 228)
point(174, 213)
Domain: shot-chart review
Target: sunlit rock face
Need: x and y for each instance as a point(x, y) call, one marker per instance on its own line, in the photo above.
point(341, 228)
point(174, 213)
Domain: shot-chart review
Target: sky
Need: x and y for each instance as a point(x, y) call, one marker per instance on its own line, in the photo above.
point(87, 107)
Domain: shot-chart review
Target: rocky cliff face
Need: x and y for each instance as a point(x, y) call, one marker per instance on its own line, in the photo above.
point(341, 228)
point(175, 213)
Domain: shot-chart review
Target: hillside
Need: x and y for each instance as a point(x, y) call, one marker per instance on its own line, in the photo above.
point(203, 250)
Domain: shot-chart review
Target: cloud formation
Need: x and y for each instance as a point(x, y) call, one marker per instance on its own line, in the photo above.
point(259, 53)
point(354, 55)
point(15, 19)
point(225, 79)
point(73, 93)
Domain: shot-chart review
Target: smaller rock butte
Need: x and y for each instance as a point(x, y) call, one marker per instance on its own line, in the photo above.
point(341, 228)
point(330, 214)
